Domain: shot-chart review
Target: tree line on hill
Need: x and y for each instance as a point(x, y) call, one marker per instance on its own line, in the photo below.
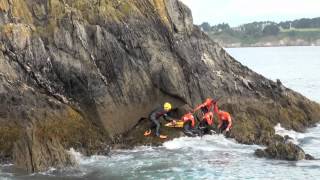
point(263, 28)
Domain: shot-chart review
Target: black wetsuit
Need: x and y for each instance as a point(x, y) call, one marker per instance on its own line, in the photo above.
point(155, 116)
point(189, 130)
point(224, 126)
point(205, 128)
point(204, 110)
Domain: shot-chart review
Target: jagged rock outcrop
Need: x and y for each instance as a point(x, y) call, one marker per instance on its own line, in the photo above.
point(82, 73)
point(283, 148)
point(283, 151)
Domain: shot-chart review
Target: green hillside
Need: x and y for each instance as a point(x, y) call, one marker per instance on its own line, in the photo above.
point(266, 33)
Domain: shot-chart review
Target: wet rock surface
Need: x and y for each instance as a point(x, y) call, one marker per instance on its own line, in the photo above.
point(283, 151)
point(283, 148)
point(309, 157)
point(82, 74)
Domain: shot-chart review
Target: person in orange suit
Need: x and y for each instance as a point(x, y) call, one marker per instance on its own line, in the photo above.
point(189, 125)
point(206, 106)
point(225, 120)
point(206, 124)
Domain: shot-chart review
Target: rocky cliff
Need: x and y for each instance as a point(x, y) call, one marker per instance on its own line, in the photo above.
point(82, 73)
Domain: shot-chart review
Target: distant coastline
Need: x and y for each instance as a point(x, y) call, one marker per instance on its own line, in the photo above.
point(301, 32)
point(270, 44)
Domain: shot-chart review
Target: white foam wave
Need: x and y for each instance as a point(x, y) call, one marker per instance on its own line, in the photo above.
point(76, 155)
point(5, 178)
point(5, 175)
point(136, 149)
point(208, 143)
point(49, 172)
point(296, 136)
point(84, 160)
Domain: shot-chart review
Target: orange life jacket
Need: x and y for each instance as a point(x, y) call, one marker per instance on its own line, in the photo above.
point(207, 104)
point(208, 117)
point(225, 116)
point(189, 117)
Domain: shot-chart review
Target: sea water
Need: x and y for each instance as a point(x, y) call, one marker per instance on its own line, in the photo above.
point(213, 157)
point(297, 67)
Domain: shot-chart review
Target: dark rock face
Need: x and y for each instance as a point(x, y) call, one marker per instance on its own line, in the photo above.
point(283, 151)
point(81, 74)
point(309, 157)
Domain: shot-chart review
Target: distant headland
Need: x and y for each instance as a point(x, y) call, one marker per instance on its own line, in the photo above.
point(300, 32)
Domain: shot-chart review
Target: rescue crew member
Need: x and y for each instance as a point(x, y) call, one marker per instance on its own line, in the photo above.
point(206, 106)
point(189, 125)
point(225, 121)
point(206, 124)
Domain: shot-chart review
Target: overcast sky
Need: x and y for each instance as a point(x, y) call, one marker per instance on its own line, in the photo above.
point(236, 12)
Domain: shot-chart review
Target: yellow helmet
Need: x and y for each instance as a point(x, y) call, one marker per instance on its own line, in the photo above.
point(167, 106)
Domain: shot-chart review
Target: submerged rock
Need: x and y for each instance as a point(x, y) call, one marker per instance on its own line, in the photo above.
point(283, 151)
point(309, 157)
point(81, 74)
